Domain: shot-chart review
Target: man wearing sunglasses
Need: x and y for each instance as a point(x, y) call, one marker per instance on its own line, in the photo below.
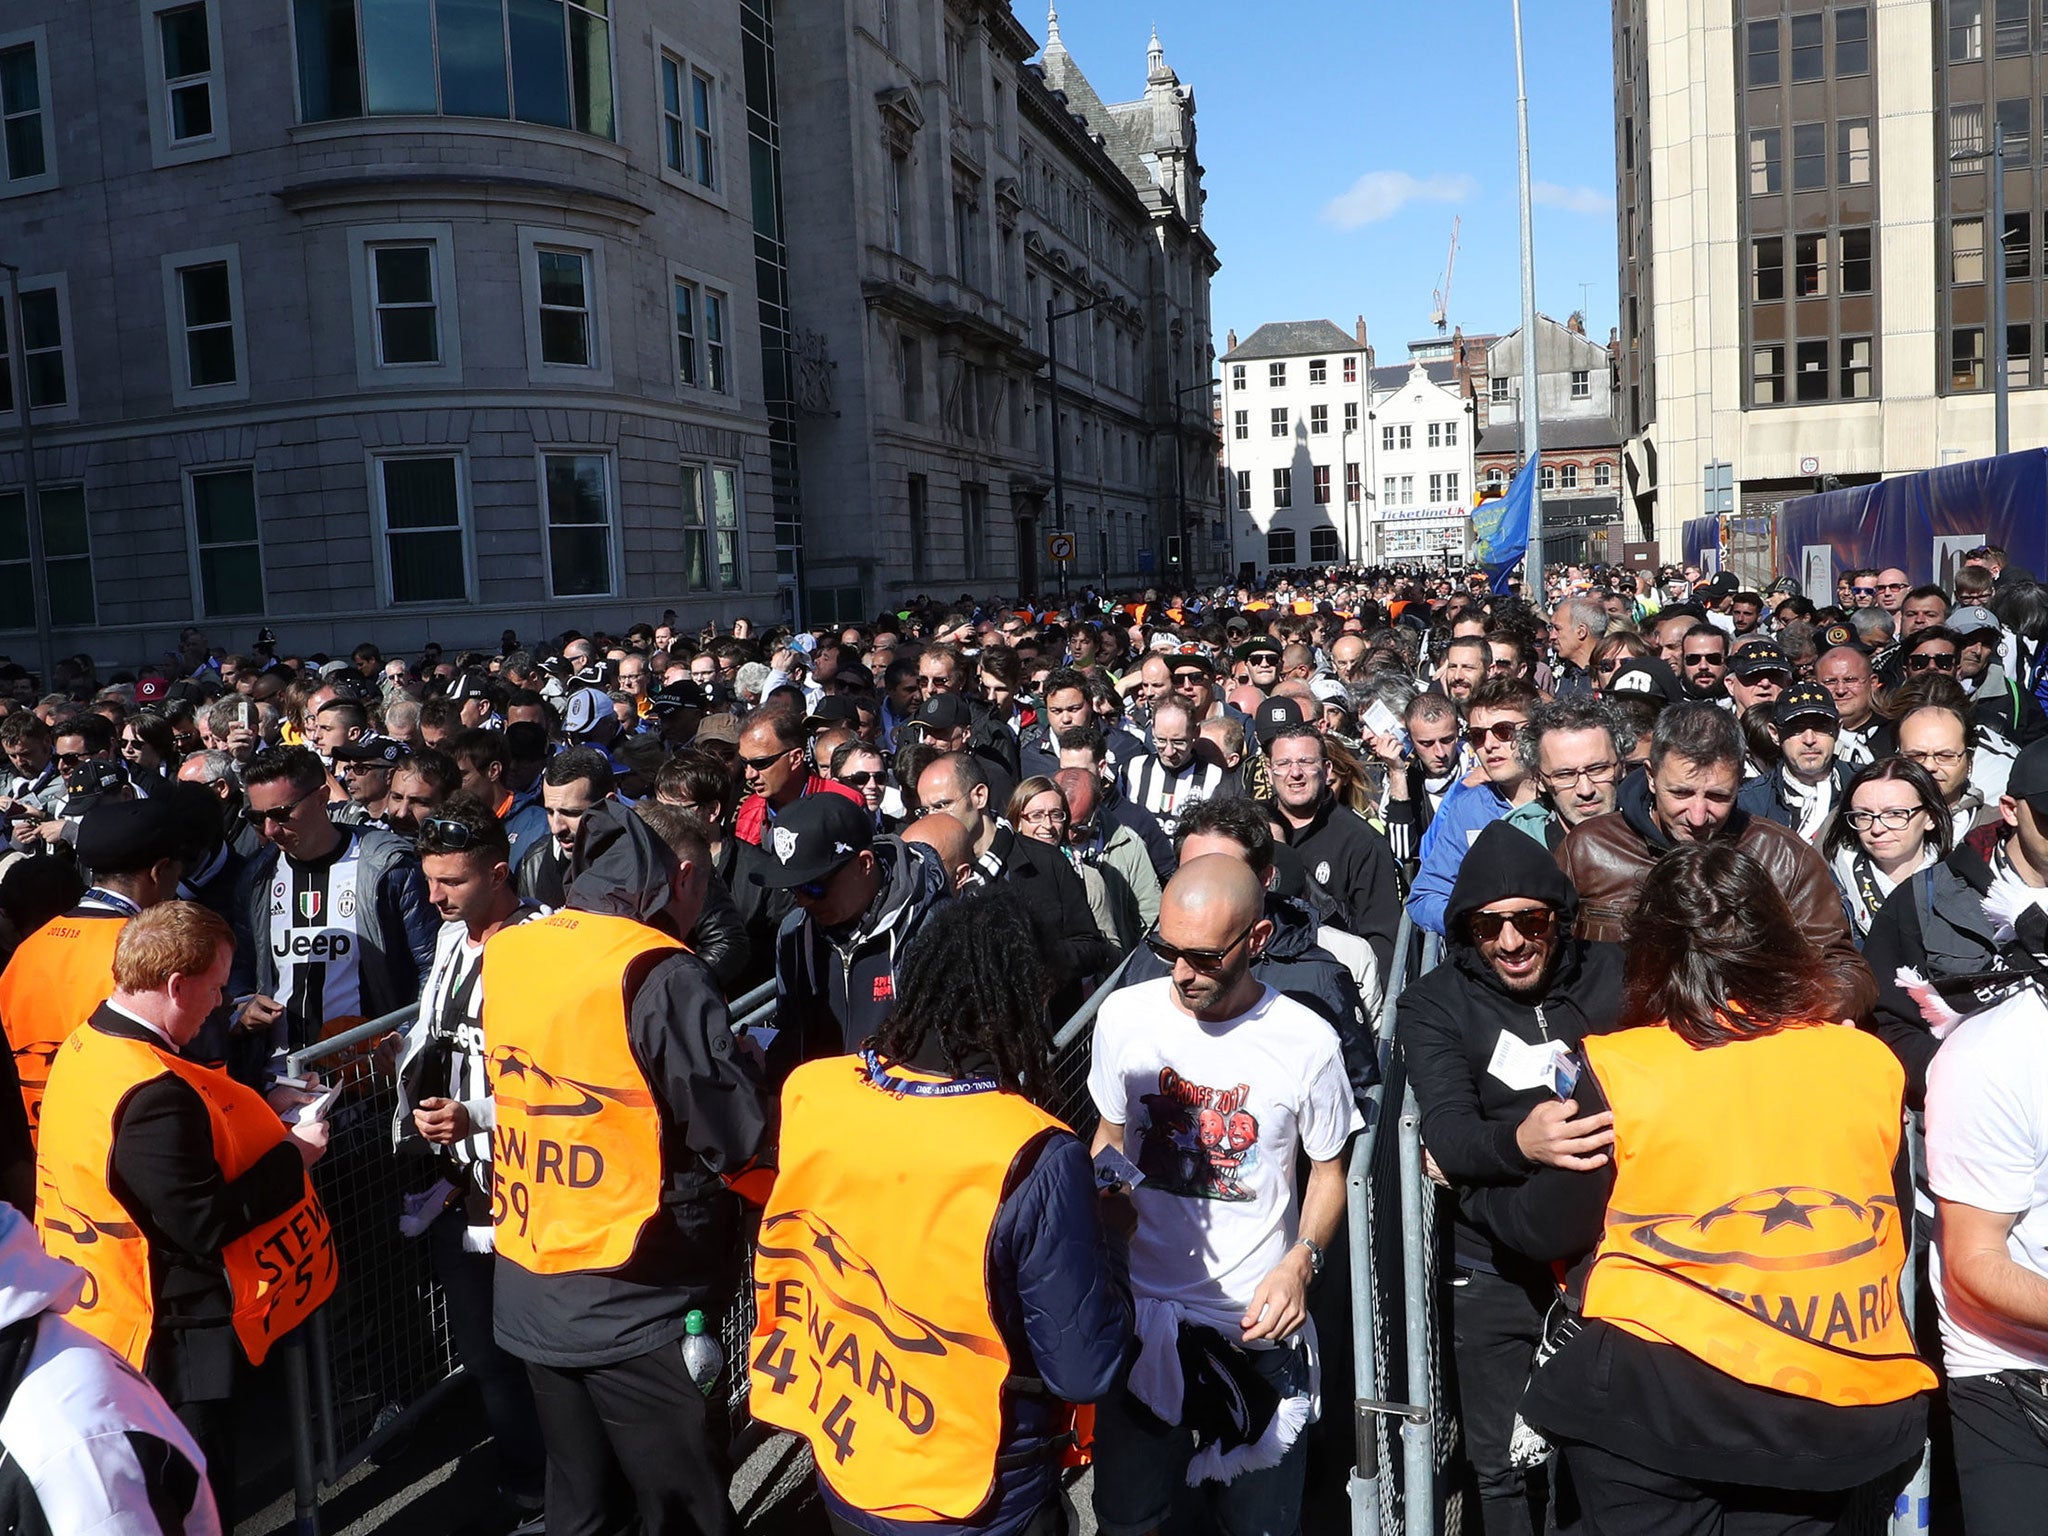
point(1216, 1087)
point(1491, 1037)
point(1757, 673)
point(1495, 717)
point(1997, 702)
point(775, 761)
point(1802, 791)
point(1703, 663)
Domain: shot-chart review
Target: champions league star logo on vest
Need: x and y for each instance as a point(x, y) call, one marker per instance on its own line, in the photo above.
point(785, 843)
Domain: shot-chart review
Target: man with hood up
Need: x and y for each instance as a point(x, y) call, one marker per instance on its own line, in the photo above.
point(620, 1101)
point(1487, 1035)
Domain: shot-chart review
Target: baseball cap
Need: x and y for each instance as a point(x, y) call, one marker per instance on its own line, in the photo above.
point(1274, 716)
point(1647, 674)
point(680, 694)
point(1264, 645)
point(811, 840)
point(1964, 621)
point(467, 685)
point(2029, 777)
point(587, 709)
point(95, 776)
point(944, 712)
point(372, 749)
point(1329, 691)
point(1804, 701)
point(1834, 637)
point(124, 836)
point(724, 728)
point(836, 708)
point(151, 690)
point(1760, 657)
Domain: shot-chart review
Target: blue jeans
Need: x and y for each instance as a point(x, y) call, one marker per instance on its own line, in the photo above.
point(1141, 1465)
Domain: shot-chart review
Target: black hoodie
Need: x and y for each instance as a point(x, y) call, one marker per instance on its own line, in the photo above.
point(1450, 1021)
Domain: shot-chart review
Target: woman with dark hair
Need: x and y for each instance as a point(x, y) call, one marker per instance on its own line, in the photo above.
point(1890, 825)
point(1038, 808)
point(1612, 649)
point(150, 749)
point(1734, 1354)
point(928, 1198)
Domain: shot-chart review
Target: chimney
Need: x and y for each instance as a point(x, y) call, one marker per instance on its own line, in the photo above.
point(1577, 324)
point(1230, 341)
point(1359, 332)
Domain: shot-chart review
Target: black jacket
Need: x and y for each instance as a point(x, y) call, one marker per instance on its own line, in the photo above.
point(1344, 855)
point(1052, 895)
point(761, 910)
point(1450, 1020)
point(1933, 923)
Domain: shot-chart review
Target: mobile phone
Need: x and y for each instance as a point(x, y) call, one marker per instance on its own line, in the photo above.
point(1564, 1072)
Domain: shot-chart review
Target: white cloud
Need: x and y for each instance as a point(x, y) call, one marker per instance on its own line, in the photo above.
point(1381, 194)
point(1572, 199)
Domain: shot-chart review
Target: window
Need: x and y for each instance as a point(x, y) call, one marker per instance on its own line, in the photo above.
point(1568, 477)
point(1407, 490)
point(689, 145)
point(1965, 31)
point(1767, 375)
point(42, 348)
point(230, 556)
point(1436, 435)
point(1436, 489)
point(1767, 269)
point(1283, 487)
point(1279, 414)
point(1854, 246)
point(537, 61)
point(1809, 157)
point(1354, 489)
point(1319, 420)
point(1244, 490)
point(1852, 41)
point(1497, 389)
point(1241, 425)
point(183, 88)
point(1603, 474)
point(1280, 546)
point(1450, 434)
point(703, 138)
point(1321, 474)
point(1386, 439)
point(1763, 53)
point(1810, 266)
point(1237, 375)
point(1350, 415)
point(1319, 370)
point(1855, 368)
point(2017, 119)
point(2011, 32)
point(973, 528)
point(919, 497)
point(899, 201)
point(426, 556)
point(1350, 370)
point(564, 308)
point(725, 525)
point(1966, 358)
point(1276, 375)
point(577, 489)
point(202, 297)
point(716, 378)
point(28, 152)
point(67, 558)
point(688, 302)
point(1323, 546)
point(1496, 477)
point(1852, 152)
point(408, 328)
point(2019, 361)
point(1546, 478)
point(1388, 491)
point(1809, 57)
point(1451, 486)
point(1966, 251)
point(1582, 384)
point(1966, 134)
point(1766, 164)
point(1405, 436)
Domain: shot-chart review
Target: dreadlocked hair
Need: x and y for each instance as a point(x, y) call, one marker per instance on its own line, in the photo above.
point(973, 983)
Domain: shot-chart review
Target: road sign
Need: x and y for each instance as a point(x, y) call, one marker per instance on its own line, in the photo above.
point(1059, 546)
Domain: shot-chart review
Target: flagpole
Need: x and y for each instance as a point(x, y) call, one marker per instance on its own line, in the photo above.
point(1532, 581)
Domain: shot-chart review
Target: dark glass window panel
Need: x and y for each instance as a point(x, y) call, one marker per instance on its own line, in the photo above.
point(1856, 355)
point(330, 80)
point(398, 56)
point(1767, 267)
point(46, 383)
point(17, 595)
point(40, 326)
point(1763, 53)
point(1852, 41)
point(564, 339)
point(540, 61)
point(64, 525)
point(561, 279)
point(1812, 383)
point(1809, 57)
point(405, 274)
point(231, 580)
point(186, 48)
point(427, 568)
point(21, 88)
point(6, 366)
point(207, 296)
point(470, 38)
point(1855, 249)
point(2013, 29)
point(191, 112)
point(408, 336)
point(13, 525)
point(24, 136)
point(224, 506)
point(71, 594)
point(210, 357)
point(2016, 118)
point(420, 493)
point(2019, 245)
point(1965, 30)
point(1809, 157)
point(590, 73)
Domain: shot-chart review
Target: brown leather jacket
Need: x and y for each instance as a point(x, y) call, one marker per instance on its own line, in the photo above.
point(1608, 858)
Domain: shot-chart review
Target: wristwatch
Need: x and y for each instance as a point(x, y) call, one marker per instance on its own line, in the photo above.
point(1315, 1256)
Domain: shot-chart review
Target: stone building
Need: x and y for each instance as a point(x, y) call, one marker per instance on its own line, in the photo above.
point(1578, 438)
point(395, 319)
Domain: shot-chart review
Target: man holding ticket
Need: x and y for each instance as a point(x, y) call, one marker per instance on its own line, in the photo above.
point(1492, 1038)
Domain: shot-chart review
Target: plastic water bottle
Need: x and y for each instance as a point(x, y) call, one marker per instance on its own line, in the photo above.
point(702, 1356)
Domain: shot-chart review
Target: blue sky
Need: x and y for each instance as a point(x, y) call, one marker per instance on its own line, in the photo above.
point(1341, 137)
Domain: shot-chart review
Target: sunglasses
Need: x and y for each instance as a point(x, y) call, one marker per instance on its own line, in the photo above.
point(1500, 730)
point(1706, 658)
point(453, 836)
point(1871, 591)
point(283, 813)
point(759, 764)
point(67, 759)
point(1921, 661)
point(1204, 960)
point(861, 780)
point(1767, 675)
point(1531, 923)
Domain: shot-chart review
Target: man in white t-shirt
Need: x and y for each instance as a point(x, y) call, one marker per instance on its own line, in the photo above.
point(1213, 1084)
point(1987, 1163)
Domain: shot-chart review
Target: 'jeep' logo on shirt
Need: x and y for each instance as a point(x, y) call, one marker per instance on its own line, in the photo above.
point(326, 944)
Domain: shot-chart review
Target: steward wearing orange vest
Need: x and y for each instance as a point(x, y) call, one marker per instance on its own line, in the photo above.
point(1744, 1347)
point(178, 1191)
point(619, 1098)
point(932, 1285)
point(65, 969)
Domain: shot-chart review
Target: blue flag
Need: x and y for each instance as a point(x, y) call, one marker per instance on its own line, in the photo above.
point(1500, 528)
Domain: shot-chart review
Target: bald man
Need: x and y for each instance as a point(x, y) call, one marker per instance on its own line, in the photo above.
point(1115, 851)
point(951, 842)
point(1214, 1085)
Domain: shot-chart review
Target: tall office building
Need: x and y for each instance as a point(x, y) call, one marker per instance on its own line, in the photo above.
point(1802, 210)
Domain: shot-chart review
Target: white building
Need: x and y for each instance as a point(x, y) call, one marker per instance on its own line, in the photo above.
point(1297, 406)
point(1422, 446)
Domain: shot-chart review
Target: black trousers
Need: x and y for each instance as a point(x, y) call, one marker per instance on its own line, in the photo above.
point(2001, 1460)
point(629, 1451)
point(1496, 1323)
point(500, 1379)
point(1619, 1497)
point(212, 1424)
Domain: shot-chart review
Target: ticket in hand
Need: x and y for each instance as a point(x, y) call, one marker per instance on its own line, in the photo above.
point(1112, 1169)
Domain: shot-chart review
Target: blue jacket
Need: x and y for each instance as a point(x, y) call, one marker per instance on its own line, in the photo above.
point(1464, 814)
point(1764, 797)
point(1060, 1294)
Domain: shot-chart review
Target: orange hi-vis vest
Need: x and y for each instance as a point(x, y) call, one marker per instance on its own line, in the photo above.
point(61, 973)
point(278, 1273)
point(1753, 1222)
point(576, 1152)
point(873, 1334)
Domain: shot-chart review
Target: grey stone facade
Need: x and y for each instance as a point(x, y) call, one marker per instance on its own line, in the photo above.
point(136, 222)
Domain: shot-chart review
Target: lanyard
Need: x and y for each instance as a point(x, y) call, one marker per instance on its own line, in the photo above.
point(119, 903)
point(911, 1088)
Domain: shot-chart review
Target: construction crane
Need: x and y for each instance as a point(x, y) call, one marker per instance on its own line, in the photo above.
point(1440, 315)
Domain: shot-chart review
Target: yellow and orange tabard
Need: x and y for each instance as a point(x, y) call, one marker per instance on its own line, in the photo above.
point(61, 973)
point(873, 1335)
point(576, 1152)
point(279, 1272)
point(1753, 1222)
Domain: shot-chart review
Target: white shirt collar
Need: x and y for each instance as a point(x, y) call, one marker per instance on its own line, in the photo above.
point(136, 1018)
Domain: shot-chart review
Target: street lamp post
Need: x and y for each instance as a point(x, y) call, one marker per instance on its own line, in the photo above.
point(32, 501)
point(1533, 581)
point(1053, 316)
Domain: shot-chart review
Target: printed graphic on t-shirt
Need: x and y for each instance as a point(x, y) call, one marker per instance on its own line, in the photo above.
point(1198, 1142)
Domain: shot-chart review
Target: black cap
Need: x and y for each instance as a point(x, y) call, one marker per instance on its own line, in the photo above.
point(1264, 645)
point(467, 685)
point(2029, 777)
point(1835, 637)
point(383, 750)
point(1274, 715)
point(124, 837)
point(1804, 701)
point(1198, 660)
point(811, 839)
point(854, 674)
point(835, 707)
point(1647, 675)
point(680, 694)
point(944, 712)
point(1762, 656)
point(95, 776)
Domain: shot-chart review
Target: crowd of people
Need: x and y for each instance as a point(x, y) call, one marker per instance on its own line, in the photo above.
point(1727, 884)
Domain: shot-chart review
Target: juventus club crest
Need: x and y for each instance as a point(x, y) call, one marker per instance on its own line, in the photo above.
point(785, 843)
